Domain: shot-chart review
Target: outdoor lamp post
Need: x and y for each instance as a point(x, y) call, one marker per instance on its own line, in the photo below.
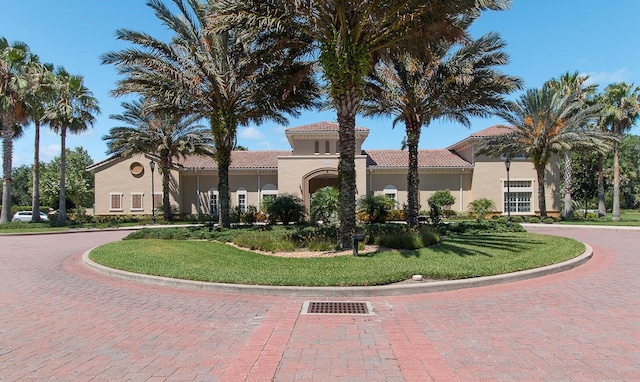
point(507, 165)
point(152, 164)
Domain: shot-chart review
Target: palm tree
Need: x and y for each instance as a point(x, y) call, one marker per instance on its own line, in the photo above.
point(213, 75)
point(73, 110)
point(37, 98)
point(164, 136)
point(349, 38)
point(544, 122)
point(451, 85)
point(621, 103)
point(569, 83)
point(13, 61)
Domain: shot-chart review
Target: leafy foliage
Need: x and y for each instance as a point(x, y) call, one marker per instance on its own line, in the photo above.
point(375, 208)
point(79, 181)
point(286, 209)
point(480, 208)
point(325, 206)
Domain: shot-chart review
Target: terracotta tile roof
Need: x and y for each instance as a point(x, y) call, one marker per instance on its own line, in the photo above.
point(426, 158)
point(491, 131)
point(320, 127)
point(239, 160)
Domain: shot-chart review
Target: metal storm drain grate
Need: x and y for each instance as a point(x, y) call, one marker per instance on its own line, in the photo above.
point(337, 307)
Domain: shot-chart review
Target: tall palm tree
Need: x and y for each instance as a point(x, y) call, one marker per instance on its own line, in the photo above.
point(72, 110)
point(37, 97)
point(14, 59)
point(569, 83)
point(544, 122)
point(214, 75)
point(167, 137)
point(621, 110)
point(451, 85)
point(349, 38)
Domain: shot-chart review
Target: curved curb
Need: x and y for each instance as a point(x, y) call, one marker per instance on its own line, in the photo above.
point(371, 291)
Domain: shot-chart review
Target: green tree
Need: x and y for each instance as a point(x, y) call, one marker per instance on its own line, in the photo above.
point(572, 83)
point(21, 193)
point(38, 96)
point(215, 75)
point(165, 136)
point(14, 59)
point(72, 110)
point(285, 208)
point(452, 85)
point(349, 39)
point(325, 205)
point(544, 122)
point(79, 181)
point(621, 110)
point(585, 184)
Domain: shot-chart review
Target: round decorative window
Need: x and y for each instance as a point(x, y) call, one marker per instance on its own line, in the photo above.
point(136, 169)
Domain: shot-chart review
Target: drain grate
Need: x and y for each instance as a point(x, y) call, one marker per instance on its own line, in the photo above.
point(337, 307)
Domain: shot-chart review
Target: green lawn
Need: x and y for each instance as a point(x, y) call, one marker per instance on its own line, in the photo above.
point(458, 257)
point(627, 218)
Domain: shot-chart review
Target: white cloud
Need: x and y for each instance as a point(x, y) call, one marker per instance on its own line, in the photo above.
point(265, 145)
point(48, 152)
point(606, 78)
point(251, 133)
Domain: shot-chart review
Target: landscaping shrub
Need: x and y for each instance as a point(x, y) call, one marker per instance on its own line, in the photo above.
point(548, 220)
point(374, 208)
point(517, 219)
point(534, 219)
point(482, 226)
point(402, 240)
point(285, 208)
point(480, 208)
point(325, 206)
point(429, 237)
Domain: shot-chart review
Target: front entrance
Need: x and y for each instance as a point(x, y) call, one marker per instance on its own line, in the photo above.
point(316, 180)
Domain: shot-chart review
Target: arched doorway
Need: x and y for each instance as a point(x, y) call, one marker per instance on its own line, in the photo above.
point(317, 179)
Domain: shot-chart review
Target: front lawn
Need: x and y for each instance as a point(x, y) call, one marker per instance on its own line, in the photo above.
point(458, 257)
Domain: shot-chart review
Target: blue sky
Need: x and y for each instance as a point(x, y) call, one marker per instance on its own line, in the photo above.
point(545, 38)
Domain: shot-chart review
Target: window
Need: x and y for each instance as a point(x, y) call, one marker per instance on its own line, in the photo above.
point(268, 194)
point(327, 149)
point(317, 147)
point(518, 196)
point(214, 202)
point(391, 192)
point(137, 199)
point(242, 199)
point(115, 202)
point(157, 200)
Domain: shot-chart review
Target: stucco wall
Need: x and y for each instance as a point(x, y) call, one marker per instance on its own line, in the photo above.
point(115, 177)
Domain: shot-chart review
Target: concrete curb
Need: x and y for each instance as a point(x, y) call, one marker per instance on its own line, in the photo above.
point(372, 291)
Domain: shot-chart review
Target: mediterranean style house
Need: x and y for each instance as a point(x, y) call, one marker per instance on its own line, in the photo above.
point(123, 186)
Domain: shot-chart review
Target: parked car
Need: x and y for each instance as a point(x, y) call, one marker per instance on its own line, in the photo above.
point(25, 216)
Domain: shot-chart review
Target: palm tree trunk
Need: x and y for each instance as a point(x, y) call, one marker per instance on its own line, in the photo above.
point(616, 183)
point(223, 190)
point(602, 207)
point(413, 181)
point(166, 179)
point(346, 106)
point(7, 159)
point(568, 202)
point(35, 197)
point(62, 204)
point(541, 191)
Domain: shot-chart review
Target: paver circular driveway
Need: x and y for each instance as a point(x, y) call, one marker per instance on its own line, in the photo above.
point(60, 320)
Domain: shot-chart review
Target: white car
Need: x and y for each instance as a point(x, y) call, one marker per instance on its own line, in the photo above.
point(25, 216)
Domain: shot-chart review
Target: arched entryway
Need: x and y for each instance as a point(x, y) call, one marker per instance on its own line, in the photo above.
point(317, 179)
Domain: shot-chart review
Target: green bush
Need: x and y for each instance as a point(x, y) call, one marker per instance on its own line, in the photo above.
point(548, 220)
point(402, 240)
point(429, 237)
point(534, 219)
point(285, 208)
point(480, 208)
point(482, 226)
point(517, 219)
point(375, 208)
point(325, 206)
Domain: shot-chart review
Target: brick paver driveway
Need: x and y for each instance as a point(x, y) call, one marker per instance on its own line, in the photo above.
point(61, 321)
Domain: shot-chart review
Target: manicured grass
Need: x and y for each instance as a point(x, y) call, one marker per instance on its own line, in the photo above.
point(457, 257)
point(627, 218)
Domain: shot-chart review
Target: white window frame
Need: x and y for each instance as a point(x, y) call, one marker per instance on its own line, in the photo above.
point(216, 194)
point(158, 196)
point(241, 194)
point(121, 197)
point(391, 192)
point(518, 186)
point(141, 196)
point(268, 190)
